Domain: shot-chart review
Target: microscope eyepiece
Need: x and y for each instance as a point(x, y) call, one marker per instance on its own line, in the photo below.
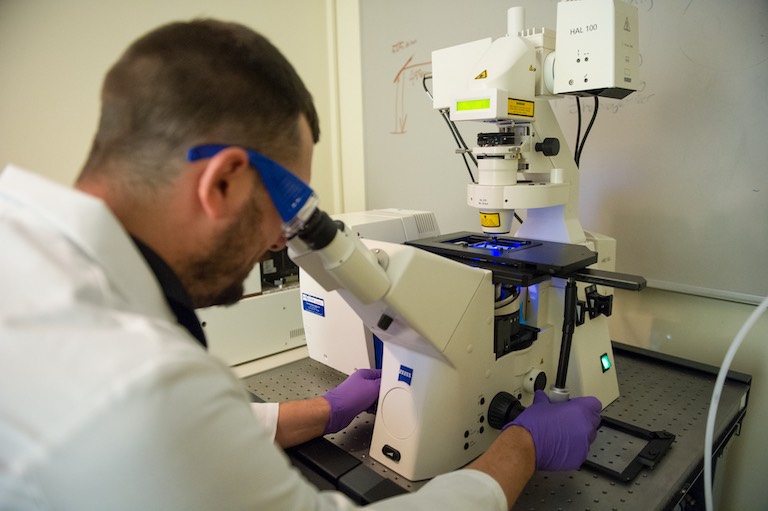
point(319, 230)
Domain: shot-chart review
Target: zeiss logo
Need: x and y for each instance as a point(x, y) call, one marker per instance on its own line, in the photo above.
point(406, 374)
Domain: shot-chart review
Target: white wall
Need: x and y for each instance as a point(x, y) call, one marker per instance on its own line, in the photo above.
point(350, 94)
point(53, 56)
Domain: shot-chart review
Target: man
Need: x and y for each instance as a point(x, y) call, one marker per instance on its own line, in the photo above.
point(107, 397)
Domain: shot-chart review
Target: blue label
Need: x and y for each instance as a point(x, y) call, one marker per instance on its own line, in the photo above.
point(313, 304)
point(406, 373)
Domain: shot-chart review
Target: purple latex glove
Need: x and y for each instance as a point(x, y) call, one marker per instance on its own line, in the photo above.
point(562, 432)
point(354, 395)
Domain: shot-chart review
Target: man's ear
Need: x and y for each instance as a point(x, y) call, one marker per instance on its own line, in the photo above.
point(226, 182)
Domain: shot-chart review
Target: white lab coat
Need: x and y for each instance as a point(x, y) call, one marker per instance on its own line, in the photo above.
point(106, 403)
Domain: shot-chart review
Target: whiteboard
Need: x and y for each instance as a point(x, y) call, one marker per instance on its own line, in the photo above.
point(676, 172)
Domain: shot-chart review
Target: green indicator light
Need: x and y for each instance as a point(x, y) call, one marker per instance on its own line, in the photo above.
point(605, 362)
point(473, 104)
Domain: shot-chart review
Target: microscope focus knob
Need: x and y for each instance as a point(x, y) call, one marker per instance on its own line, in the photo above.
point(535, 380)
point(550, 147)
point(503, 409)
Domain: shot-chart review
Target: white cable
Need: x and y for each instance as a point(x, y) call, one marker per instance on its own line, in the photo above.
point(719, 384)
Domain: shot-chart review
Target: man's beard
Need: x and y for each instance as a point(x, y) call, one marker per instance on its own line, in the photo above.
point(227, 296)
point(217, 278)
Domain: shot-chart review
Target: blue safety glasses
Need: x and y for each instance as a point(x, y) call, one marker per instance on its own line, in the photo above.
point(295, 201)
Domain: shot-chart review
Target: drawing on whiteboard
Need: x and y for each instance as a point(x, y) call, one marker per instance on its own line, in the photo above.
point(410, 73)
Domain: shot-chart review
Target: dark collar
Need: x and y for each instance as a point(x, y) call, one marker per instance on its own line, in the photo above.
point(175, 294)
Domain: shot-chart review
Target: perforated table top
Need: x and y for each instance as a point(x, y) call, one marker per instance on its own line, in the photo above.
point(656, 394)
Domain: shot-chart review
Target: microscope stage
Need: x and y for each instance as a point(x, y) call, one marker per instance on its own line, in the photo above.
point(521, 260)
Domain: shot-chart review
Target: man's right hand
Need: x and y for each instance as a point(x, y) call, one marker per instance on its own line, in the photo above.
point(561, 432)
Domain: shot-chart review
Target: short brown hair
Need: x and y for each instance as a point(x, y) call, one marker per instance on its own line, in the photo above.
point(193, 82)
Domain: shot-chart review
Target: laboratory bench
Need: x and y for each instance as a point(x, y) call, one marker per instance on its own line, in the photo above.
point(648, 453)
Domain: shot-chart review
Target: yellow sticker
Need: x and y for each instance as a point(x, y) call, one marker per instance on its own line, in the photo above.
point(482, 75)
point(520, 107)
point(490, 219)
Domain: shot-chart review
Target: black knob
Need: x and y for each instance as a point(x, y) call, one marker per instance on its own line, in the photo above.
point(550, 147)
point(503, 409)
point(384, 321)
